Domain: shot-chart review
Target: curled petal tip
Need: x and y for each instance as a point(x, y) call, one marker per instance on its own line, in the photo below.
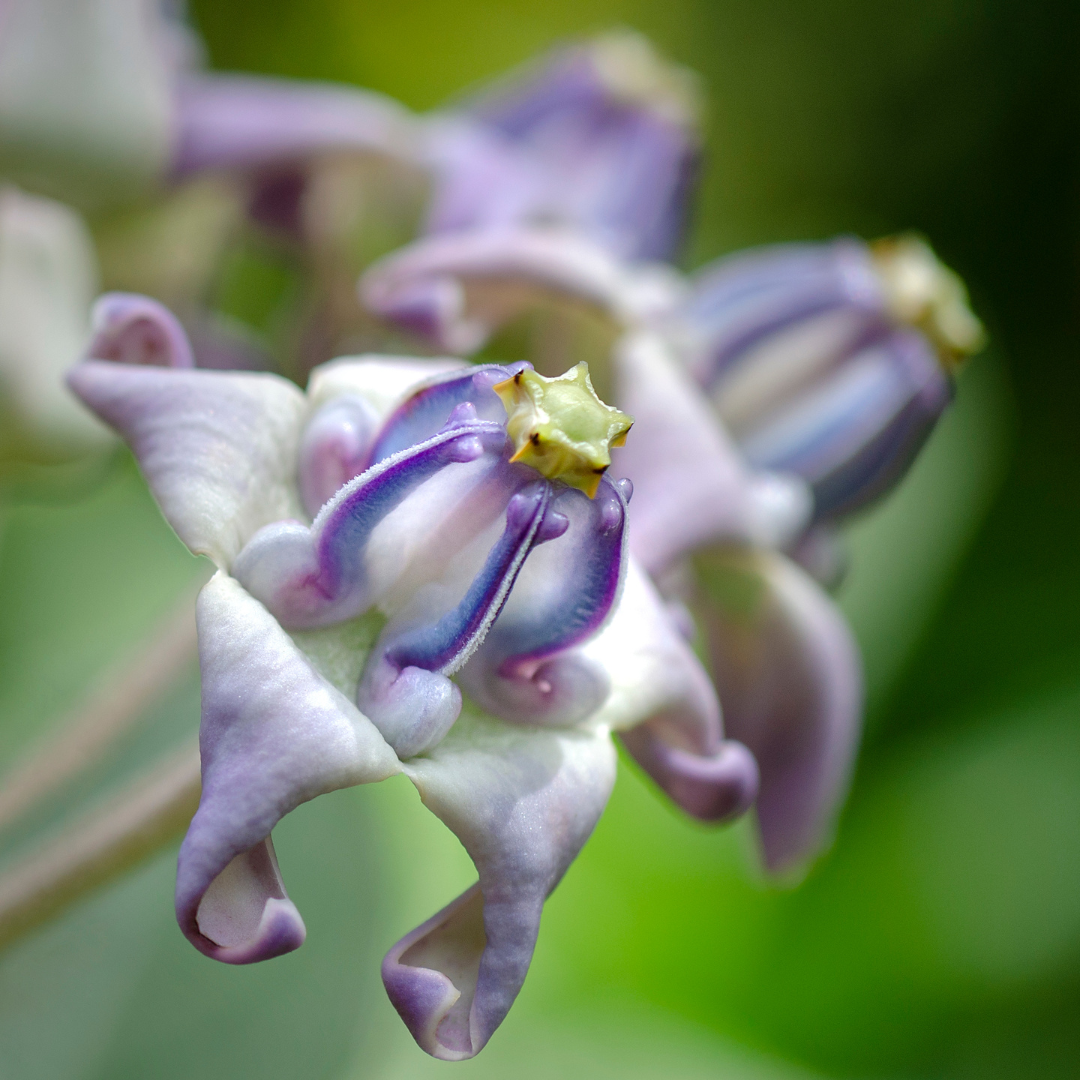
point(431, 974)
point(245, 915)
point(133, 329)
point(715, 787)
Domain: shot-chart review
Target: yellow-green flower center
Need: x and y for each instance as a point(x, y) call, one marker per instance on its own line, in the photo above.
point(560, 427)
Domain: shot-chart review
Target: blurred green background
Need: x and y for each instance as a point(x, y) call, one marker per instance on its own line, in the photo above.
point(940, 937)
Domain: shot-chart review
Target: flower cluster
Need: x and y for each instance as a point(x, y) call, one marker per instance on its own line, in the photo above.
point(424, 564)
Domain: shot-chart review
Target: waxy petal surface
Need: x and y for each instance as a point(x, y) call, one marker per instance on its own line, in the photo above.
point(494, 275)
point(218, 450)
point(790, 683)
point(522, 803)
point(247, 121)
point(274, 734)
point(691, 486)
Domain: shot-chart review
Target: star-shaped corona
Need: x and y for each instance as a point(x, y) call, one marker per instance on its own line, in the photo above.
point(561, 427)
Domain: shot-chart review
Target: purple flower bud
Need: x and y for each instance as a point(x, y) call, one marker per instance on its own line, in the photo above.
point(830, 361)
point(598, 138)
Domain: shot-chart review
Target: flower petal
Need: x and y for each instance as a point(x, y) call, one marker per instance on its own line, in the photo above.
point(789, 678)
point(565, 593)
point(497, 274)
point(428, 407)
point(604, 140)
point(247, 121)
point(382, 381)
point(274, 734)
point(691, 486)
point(406, 690)
point(665, 708)
point(317, 576)
point(218, 450)
point(740, 301)
point(133, 329)
point(335, 448)
point(523, 804)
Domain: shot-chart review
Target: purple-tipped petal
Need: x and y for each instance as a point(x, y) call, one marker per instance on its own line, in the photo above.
point(132, 329)
point(690, 484)
point(789, 678)
point(245, 915)
point(406, 690)
point(258, 764)
point(564, 595)
point(335, 448)
point(317, 576)
point(248, 121)
point(714, 787)
point(218, 450)
point(522, 803)
point(664, 706)
point(428, 407)
point(501, 273)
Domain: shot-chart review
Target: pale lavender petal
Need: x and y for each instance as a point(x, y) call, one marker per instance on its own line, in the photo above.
point(335, 448)
point(245, 915)
point(564, 595)
point(248, 121)
point(522, 803)
point(691, 486)
point(318, 576)
point(405, 689)
point(382, 381)
point(789, 678)
point(499, 273)
point(712, 787)
point(258, 764)
point(599, 138)
point(799, 349)
point(132, 329)
point(665, 707)
point(217, 449)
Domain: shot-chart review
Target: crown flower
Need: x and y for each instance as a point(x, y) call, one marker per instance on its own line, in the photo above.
point(396, 594)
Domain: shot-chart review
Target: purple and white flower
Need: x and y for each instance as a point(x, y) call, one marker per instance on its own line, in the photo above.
point(395, 594)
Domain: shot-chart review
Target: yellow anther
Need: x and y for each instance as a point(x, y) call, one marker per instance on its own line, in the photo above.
point(922, 292)
point(560, 427)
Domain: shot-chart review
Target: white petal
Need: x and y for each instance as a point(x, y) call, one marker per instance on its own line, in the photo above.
point(218, 450)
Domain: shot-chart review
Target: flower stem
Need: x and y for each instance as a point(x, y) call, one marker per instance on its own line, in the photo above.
point(153, 810)
point(113, 707)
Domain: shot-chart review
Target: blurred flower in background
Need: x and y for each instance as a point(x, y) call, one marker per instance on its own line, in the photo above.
point(780, 395)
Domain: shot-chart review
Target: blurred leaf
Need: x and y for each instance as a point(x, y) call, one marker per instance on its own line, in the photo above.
point(905, 552)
